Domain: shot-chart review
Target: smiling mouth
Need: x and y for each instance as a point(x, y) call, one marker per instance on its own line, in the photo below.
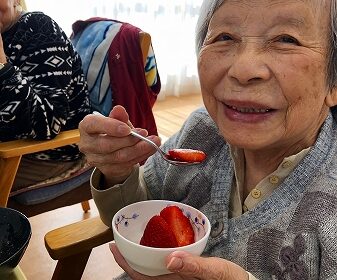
point(249, 110)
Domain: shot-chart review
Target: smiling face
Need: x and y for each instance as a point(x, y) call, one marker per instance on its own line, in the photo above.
point(263, 71)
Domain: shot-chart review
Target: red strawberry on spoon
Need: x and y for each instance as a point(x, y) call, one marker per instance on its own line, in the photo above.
point(187, 155)
point(175, 156)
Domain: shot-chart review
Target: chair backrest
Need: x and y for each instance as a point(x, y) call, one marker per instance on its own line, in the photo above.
point(72, 244)
point(145, 43)
point(120, 67)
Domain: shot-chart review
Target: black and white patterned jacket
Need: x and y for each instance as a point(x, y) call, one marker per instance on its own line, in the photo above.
point(43, 90)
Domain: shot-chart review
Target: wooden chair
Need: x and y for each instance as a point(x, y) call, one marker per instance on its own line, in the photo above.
point(10, 157)
point(11, 153)
point(72, 244)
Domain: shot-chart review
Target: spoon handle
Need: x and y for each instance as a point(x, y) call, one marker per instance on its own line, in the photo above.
point(144, 139)
point(133, 133)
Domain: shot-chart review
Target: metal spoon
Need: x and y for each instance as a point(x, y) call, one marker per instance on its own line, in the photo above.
point(164, 155)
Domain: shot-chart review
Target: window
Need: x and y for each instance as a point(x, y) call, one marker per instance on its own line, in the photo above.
point(171, 24)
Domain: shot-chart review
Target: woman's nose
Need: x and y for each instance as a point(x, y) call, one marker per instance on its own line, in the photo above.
point(249, 64)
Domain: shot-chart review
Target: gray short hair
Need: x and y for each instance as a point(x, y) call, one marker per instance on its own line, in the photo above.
point(207, 10)
point(209, 7)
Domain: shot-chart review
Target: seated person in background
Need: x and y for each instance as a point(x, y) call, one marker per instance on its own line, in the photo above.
point(42, 90)
point(267, 72)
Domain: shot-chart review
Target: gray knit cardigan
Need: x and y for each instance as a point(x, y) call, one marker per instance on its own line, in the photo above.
point(290, 235)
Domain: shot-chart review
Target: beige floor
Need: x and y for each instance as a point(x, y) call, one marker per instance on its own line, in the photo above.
point(36, 263)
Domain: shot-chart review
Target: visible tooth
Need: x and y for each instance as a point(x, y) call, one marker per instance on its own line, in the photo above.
point(250, 110)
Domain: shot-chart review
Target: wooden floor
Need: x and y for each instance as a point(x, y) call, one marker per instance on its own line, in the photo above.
point(36, 263)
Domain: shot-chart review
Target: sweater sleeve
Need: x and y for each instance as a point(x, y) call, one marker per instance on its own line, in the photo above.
point(109, 201)
point(34, 100)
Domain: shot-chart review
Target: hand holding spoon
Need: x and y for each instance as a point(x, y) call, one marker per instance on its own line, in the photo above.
point(174, 156)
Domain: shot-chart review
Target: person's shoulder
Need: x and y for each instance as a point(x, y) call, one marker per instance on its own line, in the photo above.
point(38, 21)
point(35, 17)
point(198, 124)
point(201, 111)
point(199, 117)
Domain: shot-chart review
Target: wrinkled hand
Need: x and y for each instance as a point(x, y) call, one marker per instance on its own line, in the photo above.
point(107, 145)
point(188, 267)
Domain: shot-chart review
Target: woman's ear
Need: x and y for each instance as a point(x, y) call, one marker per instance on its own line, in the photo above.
point(331, 98)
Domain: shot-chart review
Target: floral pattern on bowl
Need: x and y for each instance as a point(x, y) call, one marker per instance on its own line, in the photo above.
point(124, 220)
point(128, 226)
point(197, 221)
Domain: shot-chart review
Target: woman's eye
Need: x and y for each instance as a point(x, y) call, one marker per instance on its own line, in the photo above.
point(224, 37)
point(288, 40)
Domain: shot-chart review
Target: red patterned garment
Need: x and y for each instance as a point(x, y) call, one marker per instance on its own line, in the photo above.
point(116, 74)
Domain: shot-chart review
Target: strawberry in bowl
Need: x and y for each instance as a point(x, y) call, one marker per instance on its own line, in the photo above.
point(169, 229)
point(146, 232)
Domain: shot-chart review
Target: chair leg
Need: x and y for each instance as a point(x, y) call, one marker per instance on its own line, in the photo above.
point(71, 267)
point(85, 206)
point(8, 168)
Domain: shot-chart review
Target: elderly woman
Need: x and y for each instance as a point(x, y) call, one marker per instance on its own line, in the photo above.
point(42, 90)
point(269, 184)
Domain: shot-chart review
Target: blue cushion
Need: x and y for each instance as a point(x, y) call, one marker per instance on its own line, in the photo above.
point(44, 194)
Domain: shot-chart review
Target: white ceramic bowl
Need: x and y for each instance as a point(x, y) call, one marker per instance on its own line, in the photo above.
point(128, 226)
